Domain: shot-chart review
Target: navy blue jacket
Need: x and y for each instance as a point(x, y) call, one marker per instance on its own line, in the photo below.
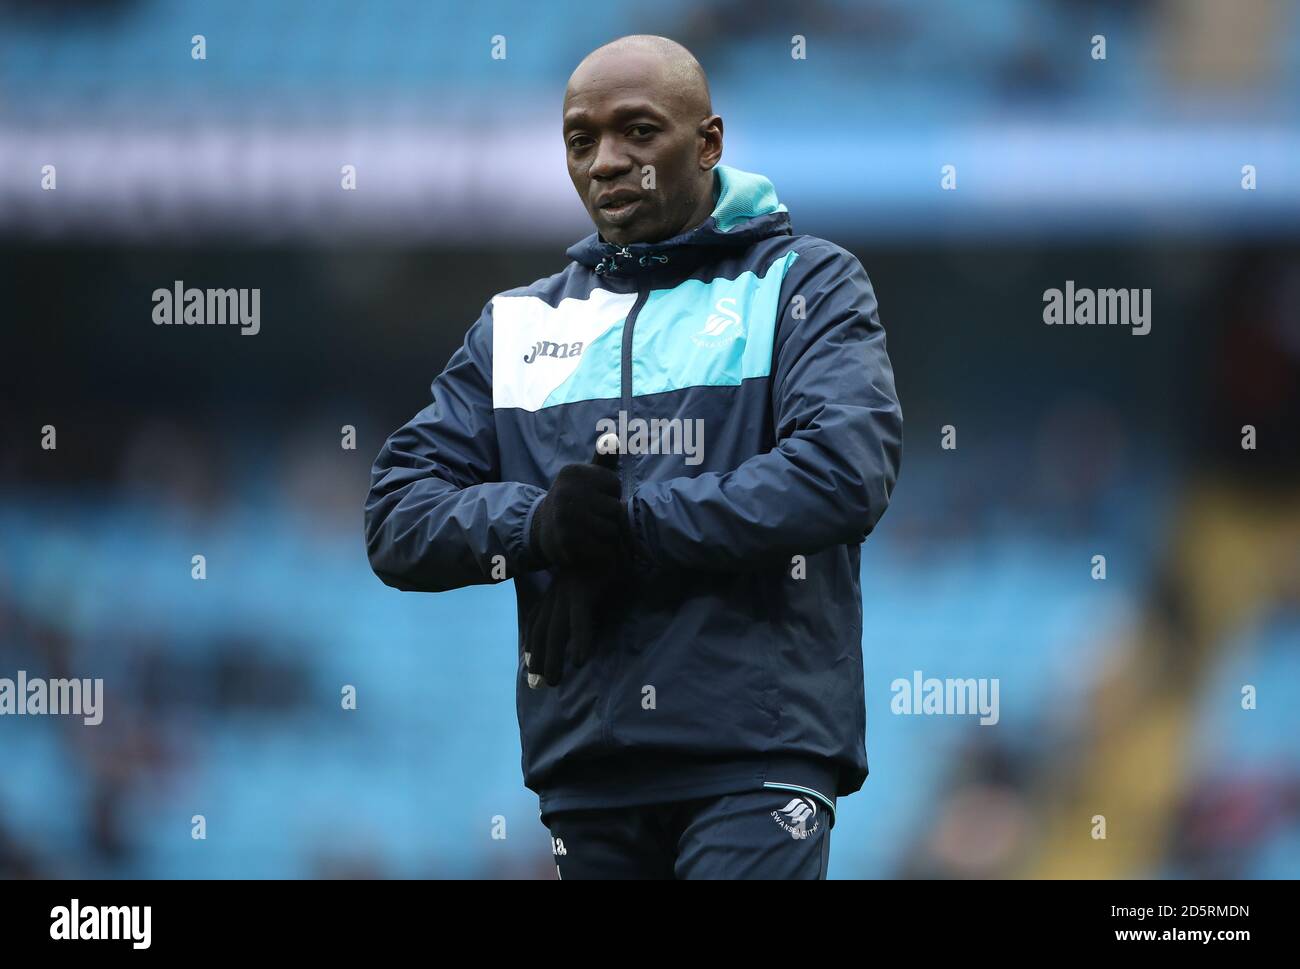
point(745, 369)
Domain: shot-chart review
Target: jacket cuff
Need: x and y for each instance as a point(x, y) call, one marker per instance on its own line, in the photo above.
point(528, 558)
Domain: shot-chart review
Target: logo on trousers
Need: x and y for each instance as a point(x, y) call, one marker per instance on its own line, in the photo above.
point(794, 818)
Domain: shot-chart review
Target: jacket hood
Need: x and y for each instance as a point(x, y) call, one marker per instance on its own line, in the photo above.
point(746, 211)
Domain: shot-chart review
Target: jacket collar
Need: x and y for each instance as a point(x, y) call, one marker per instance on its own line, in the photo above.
point(746, 211)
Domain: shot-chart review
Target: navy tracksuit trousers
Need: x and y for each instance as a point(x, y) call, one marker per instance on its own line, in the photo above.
point(756, 834)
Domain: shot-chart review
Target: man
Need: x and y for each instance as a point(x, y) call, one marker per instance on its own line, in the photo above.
point(690, 692)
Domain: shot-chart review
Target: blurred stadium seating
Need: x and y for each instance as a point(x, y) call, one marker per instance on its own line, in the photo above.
point(249, 142)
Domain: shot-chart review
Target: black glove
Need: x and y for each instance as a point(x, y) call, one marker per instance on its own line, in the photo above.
point(582, 520)
point(566, 621)
point(570, 611)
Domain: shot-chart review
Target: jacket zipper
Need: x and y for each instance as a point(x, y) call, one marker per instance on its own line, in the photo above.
point(625, 470)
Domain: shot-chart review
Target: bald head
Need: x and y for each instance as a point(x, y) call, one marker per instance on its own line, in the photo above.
point(641, 138)
point(659, 60)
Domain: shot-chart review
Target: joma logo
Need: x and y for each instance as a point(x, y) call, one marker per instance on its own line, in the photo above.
point(546, 348)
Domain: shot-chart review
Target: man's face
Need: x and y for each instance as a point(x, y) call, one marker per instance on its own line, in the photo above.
point(623, 121)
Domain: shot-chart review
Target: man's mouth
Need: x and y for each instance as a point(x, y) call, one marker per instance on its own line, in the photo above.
point(619, 208)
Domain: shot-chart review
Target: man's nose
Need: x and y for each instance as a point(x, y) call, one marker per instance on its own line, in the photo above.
point(610, 161)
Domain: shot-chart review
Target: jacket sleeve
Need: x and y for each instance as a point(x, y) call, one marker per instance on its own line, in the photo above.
point(437, 515)
point(839, 435)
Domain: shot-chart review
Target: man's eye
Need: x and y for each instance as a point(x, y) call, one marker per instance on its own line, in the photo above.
point(578, 143)
point(642, 130)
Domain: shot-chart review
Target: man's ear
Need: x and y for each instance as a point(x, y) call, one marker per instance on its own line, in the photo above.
point(711, 132)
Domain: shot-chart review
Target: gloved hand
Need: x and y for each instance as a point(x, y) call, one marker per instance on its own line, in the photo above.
point(582, 521)
point(565, 623)
point(569, 613)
